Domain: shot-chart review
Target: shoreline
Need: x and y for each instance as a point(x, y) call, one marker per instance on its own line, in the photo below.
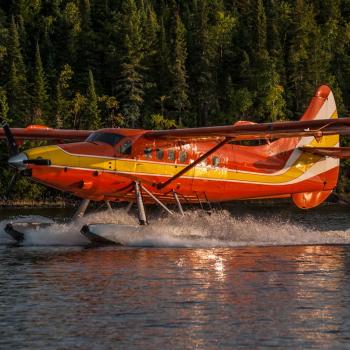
point(25, 203)
point(35, 204)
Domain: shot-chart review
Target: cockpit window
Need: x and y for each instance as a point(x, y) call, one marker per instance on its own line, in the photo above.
point(111, 139)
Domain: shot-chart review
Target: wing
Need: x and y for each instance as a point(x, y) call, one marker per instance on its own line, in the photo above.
point(36, 132)
point(249, 131)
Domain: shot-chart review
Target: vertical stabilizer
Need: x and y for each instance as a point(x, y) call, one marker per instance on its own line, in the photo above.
point(325, 170)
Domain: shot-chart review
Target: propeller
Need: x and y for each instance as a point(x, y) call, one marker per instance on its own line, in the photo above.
point(10, 139)
point(14, 151)
point(17, 160)
point(10, 185)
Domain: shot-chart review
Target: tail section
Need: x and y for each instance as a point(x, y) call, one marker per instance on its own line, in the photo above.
point(323, 172)
point(322, 105)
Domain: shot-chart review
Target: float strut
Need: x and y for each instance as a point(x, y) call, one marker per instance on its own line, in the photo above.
point(81, 210)
point(178, 203)
point(129, 206)
point(109, 207)
point(157, 200)
point(140, 206)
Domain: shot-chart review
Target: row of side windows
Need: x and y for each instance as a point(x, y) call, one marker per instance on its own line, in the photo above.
point(171, 155)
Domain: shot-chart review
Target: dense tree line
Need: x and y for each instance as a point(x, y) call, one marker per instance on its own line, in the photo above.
point(156, 64)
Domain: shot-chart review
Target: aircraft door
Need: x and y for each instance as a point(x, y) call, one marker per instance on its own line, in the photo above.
point(124, 155)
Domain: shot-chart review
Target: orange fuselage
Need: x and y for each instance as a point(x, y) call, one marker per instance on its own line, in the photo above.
point(101, 171)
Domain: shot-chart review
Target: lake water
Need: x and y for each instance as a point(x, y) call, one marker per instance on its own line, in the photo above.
point(237, 279)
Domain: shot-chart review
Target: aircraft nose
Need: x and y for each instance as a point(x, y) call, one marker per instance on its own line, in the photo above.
point(18, 161)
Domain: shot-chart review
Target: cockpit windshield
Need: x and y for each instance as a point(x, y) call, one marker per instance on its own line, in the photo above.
point(111, 139)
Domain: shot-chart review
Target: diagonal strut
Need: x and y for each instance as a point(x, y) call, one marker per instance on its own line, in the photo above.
point(193, 164)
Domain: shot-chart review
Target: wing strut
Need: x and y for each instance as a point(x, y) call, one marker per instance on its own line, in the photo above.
point(193, 164)
point(334, 152)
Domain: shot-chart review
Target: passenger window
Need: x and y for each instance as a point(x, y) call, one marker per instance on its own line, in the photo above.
point(159, 153)
point(216, 161)
point(125, 148)
point(183, 156)
point(148, 152)
point(171, 154)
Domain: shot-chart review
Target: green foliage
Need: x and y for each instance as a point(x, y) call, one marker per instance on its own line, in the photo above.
point(179, 88)
point(63, 96)
point(131, 82)
point(17, 80)
point(92, 110)
point(159, 122)
point(40, 103)
point(4, 108)
point(193, 61)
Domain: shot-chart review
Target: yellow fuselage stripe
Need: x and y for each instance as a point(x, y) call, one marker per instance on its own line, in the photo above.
point(59, 157)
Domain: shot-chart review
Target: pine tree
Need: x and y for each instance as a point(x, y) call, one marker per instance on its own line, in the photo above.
point(4, 108)
point(85, 45)
point(17, 81)
point(201, 69)
point(70, 23)
point(131, 82)
point(270, 103)
point(14, 50)
point(304, 41)
point(63, 115)
point(40, 102)
point(150, 63)
point(179, 90)
point(163, 74)
point(60, 104)
point(93, 112)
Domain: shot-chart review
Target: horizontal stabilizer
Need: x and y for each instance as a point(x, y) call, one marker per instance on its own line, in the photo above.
point(334, 152)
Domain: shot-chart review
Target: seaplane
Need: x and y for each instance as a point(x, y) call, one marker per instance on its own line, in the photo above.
point(245, 160)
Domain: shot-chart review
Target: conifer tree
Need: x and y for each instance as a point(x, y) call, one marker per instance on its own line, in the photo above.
point(302, 38)
point(93, 112)
point(270, 103)
point(163, 60)
point(85, 43)
point(179, 90)
point(150, 29)
point(212, 61)
point(63, 95)
point(40, 102)
point(4, 108)
point(17, 81)
point(131, 82)
point(203, 88)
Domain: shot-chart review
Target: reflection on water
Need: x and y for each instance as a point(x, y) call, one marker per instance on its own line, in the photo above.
point(218, 298)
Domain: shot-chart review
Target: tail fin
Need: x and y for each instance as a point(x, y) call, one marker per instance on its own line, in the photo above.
point(322, 105)
point(325, 170)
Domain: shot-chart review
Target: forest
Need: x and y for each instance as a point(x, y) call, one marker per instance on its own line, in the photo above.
point(87, 64)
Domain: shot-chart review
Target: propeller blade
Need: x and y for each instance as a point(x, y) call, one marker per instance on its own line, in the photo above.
point(10, 139)
point(11, 184)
